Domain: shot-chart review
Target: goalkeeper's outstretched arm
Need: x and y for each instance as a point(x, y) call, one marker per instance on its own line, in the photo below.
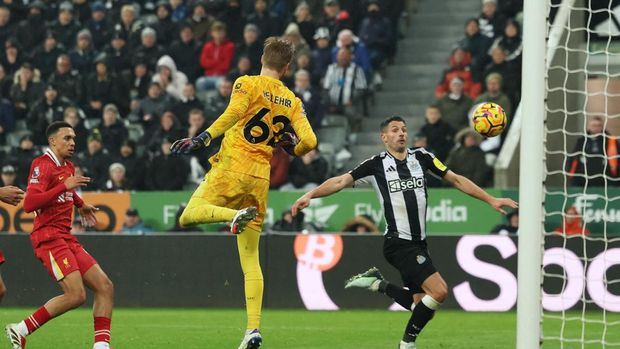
point(330, 186)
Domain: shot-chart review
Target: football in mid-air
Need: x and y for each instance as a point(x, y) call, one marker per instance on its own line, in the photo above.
point(489, 119)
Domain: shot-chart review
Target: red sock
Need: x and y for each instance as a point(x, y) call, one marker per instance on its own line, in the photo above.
point(37, 319)
point(102, 329)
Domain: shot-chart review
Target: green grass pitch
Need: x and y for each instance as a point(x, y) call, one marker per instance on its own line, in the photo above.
point(289, 329)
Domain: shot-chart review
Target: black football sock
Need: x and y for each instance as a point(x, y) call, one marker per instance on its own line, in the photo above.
point(400, 295)
point(422, 313)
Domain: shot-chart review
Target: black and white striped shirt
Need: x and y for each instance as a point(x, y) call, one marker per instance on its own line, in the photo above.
point(401, 189)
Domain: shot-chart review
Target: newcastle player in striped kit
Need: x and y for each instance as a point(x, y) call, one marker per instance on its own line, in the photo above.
point(397, 176)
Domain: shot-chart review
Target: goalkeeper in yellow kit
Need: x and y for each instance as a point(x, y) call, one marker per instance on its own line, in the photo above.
point(235, 189)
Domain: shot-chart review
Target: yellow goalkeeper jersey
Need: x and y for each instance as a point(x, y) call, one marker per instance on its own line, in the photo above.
point(260, 108)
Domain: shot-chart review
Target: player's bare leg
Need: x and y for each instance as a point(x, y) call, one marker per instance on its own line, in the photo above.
point(97, 280)
point(436, 291)
point(247, 244)
point(74, 296)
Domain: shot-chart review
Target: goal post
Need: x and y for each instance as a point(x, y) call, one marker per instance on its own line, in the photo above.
point(531, 175)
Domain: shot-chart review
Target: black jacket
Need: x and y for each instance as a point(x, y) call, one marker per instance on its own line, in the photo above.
point(167, 172)
point(186, 56)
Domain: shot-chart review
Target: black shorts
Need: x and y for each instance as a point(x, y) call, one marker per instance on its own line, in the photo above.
point(412, 260)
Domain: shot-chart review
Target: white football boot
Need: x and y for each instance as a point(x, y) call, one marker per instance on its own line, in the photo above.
point(251, 340)
point(242, 218)
point(405, 345)
point(15, 337)
point(369, 280)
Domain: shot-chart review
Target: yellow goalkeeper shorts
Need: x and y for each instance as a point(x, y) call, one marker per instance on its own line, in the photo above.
point(234, 190)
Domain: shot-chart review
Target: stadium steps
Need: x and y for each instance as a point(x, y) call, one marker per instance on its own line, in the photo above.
point(409, 83)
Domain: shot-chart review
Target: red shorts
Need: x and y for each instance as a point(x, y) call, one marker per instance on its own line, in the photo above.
point(1, 257)
point(62, 257)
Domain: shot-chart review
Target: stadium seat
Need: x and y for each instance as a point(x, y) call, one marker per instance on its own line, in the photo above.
point(336, 135)
point(335, 120)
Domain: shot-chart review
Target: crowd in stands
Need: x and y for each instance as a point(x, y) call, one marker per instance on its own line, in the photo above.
point(484, 66)
point(132, 76)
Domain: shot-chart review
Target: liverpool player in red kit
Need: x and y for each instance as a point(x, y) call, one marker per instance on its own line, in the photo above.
point(51, 195)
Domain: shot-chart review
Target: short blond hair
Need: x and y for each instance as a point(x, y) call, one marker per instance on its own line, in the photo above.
point(277, 53)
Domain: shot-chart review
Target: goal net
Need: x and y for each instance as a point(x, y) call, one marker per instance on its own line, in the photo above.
point(580, 294)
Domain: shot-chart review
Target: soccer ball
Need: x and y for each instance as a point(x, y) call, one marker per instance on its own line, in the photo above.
point(489, 119)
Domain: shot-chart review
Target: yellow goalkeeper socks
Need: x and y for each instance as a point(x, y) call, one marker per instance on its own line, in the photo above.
point(199, 211)
point(247, 243)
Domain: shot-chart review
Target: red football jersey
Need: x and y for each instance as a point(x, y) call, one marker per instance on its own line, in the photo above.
point(49, 198)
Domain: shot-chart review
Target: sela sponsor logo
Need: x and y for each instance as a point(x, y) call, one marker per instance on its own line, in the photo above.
point(412, 183)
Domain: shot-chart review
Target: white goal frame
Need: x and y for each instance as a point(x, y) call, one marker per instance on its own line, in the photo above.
point(531, 175)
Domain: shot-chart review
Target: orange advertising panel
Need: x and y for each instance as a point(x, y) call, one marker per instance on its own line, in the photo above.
point(112, 207)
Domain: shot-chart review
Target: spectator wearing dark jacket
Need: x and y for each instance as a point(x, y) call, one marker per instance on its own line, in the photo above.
point(152, 107)
point(510, 42)
point(336, 19)
point(45, 56)
point(491, 21)
point(83, 55)
point(117, 178)
point(118, 53)
point(65, 27)
point(459, 61)
point(243, 67)
point(165, 27)
point(233, 16)
point(21, 157)
point(469, 160)
point(477, 45)
point(113, 131)
point(167, 172)
point(72, 117)
point(48, 109)
point(30, 33)
point(596, 157)
point(95, 161)
point(200, 22)
point(169, 128)
point(130, 26)
point(187, 103)
point(250, 47)
point(321, 55)
point(99, 26)
point(307, 171)
point(67, 82)
point(376, 33)
point(215, 58)
point(149, 51)
point(455, 105)
point(7, 119)
point(439, 134)
point(6, 27)
point(268, 23)
point(305, 22)
point(5, 83)
point(26, 90)
point(13, 57)
point(510, 76)
point(103, 87)
point(215, 106)
point(311, 97)
point(135, 166)
point(185, 52)
point(137, 81)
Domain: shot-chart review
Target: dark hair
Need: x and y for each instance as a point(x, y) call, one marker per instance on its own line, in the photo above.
point(53, 128)
point(387, 121)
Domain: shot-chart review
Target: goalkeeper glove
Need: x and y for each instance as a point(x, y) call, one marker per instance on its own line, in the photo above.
point(187, 145)
point(288, 141)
